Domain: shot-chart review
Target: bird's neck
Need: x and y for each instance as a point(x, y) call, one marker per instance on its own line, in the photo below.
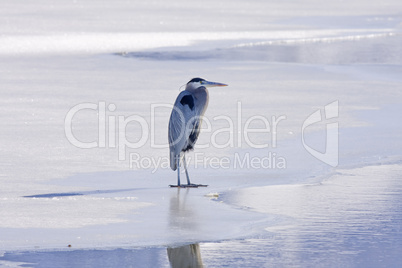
point(201, 96)
point(192, 87)
point(198, 93)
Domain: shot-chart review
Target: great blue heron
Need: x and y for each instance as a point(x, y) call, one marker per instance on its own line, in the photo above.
point(185, 122)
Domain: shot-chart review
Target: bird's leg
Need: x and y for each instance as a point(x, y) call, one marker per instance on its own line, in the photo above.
point(185, 168)
point(178, 171)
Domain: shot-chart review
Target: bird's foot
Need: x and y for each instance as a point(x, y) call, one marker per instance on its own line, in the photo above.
point(191, 185)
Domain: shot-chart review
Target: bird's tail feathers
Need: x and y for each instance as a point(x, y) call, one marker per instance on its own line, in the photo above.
point(173, 160)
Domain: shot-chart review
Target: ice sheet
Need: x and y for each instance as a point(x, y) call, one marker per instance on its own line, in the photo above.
point(279, 60)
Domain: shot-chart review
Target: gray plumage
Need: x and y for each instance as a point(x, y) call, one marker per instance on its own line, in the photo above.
point(186, 119)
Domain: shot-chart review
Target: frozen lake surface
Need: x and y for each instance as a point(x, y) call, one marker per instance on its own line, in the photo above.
point(338, 222)
point(321, 193)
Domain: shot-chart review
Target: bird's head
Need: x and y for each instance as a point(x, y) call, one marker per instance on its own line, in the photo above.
point(199, 82)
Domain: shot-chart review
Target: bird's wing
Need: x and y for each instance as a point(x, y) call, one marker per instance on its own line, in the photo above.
point(182, 121)
point(195, 132)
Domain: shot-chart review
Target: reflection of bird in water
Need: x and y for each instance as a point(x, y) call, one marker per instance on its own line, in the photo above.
point(188, 256)
point(185, 122)
point(182, 219)
point(182, 216)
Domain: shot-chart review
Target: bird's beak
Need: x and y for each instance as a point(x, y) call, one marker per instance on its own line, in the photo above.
point(212, 84)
